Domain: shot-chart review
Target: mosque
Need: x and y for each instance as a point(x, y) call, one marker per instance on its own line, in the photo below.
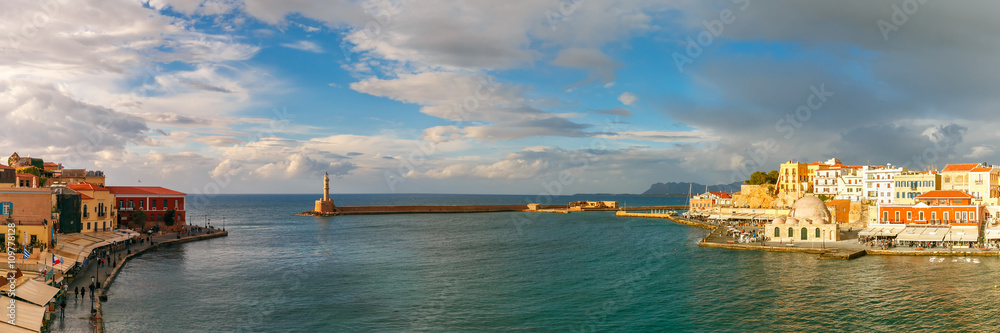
point(809, 221)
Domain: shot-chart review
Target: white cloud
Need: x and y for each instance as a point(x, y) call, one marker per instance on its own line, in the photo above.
point(304, 45)
point(628, 98)
point(981, 151)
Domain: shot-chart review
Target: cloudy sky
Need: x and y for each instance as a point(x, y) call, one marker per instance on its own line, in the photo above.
point(520, 97)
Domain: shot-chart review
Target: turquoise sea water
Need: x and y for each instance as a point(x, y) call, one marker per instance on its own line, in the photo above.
point(589, 272)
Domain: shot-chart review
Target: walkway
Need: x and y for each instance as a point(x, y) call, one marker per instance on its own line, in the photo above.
point(78, 309)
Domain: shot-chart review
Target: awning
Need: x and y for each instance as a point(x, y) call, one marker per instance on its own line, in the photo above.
point(29, 316)
point(888, 232)
point(962, 235)
point(65, 263)
point(36, 292)
point(922, 234)
point(868, 232)
point(8, 328)
point(992, 234)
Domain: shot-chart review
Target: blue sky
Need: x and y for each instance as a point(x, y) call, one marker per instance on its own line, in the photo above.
point(253, 96)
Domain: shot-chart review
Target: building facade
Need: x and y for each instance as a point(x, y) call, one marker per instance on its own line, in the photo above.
point(850, 185)
point(710, 200)
point(793, 177)
point(809, 221)
point(879, 183)
point(156, 202)
point(909, 185)
point(984, 185)
point(97, 211)
point(30, 210)
point(955, 177)
point(940, 207)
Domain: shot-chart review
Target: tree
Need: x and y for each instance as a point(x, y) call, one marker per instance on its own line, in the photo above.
point(761, 178)
point(139, 218)
point(32, 170)
point(772, 177)
point(168, 218)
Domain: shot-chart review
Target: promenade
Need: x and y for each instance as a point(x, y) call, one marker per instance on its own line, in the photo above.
point(78, 309)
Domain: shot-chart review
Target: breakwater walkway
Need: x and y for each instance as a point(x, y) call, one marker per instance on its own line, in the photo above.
point(78, 308)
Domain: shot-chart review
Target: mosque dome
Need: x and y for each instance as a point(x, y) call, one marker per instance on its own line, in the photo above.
point(810, 207)
point(791, 220)
point(779, 220)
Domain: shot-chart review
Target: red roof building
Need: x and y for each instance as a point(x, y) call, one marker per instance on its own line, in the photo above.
point(960, 167)
point(26, 180)
point(155, 201)
point(942, 207)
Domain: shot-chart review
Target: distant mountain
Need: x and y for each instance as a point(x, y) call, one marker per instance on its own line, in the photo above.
point(682, 188)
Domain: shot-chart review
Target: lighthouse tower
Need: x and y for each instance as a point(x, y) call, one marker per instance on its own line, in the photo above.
point(326, 204)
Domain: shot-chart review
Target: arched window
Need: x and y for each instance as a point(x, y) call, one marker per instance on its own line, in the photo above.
point(791, 233)
point(777, 232)
point(804, 234)
point(817, 233)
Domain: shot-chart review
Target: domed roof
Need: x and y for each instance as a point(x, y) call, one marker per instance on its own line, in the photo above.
point(791, 220)
point(810, 207)
point(819, 221)
point(779, 220)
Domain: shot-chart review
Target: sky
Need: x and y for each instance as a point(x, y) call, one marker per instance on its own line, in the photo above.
point(505, 97)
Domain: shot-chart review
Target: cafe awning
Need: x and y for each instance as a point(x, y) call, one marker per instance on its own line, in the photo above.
point(36, 292)
point(28, 317)
point(992, 234)
point(868, 232)
point(888, 232)
point(957, 234)
point(922, 234)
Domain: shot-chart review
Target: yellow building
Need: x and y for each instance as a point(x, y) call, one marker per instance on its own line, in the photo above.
point(911, 184)
point(30, 210)
point(984, 185)
point(955, 177)
point(793, 177)
point(96, 203)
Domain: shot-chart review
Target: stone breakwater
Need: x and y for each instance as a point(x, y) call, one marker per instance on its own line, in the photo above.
point(114, 273)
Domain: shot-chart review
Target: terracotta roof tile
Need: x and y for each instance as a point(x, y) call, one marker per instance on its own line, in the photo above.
point(945, 194)
point(960, 167)
point(142, 190)
point(85, 186)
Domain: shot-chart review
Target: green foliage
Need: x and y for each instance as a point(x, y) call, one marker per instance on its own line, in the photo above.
point(38, 163)
point(760, 178)
point(32, 170)
point(138, 219)
point(824, 197)
point(42, 181)
point(10, 160)
point(168, 218)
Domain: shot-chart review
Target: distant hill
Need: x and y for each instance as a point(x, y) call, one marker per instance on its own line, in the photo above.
point(682, 188)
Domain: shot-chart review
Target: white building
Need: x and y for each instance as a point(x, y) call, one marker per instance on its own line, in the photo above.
point(850, 185)
point(826, 180)
point(878, 182)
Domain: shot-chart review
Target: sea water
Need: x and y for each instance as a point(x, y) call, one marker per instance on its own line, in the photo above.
point(583, 272)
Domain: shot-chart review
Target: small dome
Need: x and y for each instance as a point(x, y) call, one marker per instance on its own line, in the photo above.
point(810, 207)
point(779, 220)
point(819, 221)
point(791, 220)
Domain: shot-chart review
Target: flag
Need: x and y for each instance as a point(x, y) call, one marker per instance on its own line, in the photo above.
point(27, 252)
point(55, 261)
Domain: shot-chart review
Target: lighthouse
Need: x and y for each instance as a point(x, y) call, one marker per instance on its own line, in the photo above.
point(325, 205)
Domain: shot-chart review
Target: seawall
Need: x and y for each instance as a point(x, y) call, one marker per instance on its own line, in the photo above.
point(442, 209)
point(114, 273)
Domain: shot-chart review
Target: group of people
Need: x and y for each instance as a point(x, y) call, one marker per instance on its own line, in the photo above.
point(881, 243)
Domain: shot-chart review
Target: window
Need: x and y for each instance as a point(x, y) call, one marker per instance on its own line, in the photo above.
point(922, 216)
point(152, 204)
point(804, 234)
point(885, 216)
point(897, 216)
point(790, 232)
point(142, 204)
point(131, 204)
point(965, 215)
point(121, 204)
point(86, 213)
point(777, 232)
point(945, 216)
point(817, 233)
point(933, 215)
point(909, 216)
point(88, 225)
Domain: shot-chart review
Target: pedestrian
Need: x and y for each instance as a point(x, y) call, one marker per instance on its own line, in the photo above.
point(62, 310)
point(83, 292)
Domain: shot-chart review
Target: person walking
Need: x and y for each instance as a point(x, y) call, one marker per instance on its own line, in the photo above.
point(83, 292)
point(62, 310)
point(76, 292)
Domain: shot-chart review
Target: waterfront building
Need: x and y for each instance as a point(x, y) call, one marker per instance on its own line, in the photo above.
point(939, 207)
point(850, 185)
point(76, 176)
point(793, 178)
point(96, 207)
point(984, 185)
point(878, 182)
point(157, 202)
point(910, 184)
point(710, 200)
point(30, 210)
point(581, 205)
point(826, 180)
point(325, 205)
point(26, 180)
point(809, 220)
point(956, 176)
point(8, 176)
